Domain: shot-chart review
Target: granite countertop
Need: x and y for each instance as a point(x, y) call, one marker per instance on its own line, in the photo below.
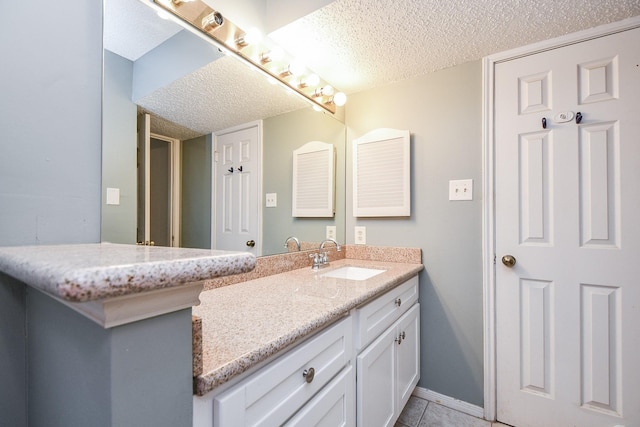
point(246, 323)
point(87, 272)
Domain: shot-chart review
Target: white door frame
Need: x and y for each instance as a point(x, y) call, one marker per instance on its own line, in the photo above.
point(174, 190)
point(488, 188)
point(214, 158)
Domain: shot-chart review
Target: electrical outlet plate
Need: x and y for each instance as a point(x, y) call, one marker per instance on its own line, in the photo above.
point(271, 200)
point(461, 189)
point(360, 235)
point(331, 232)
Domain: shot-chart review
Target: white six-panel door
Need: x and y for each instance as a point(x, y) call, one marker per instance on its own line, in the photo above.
point(568, 211)
point(236, 225)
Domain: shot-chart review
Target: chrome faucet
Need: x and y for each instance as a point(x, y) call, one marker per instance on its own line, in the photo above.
point(321, 259)
point(330, 240)
point(295, 239)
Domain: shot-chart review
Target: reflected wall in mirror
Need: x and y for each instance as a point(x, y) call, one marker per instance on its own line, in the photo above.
point(187, 111)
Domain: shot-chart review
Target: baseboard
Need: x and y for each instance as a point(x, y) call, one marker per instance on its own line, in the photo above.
point(449, 402)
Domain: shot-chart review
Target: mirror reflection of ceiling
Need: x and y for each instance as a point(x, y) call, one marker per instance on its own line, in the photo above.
point(353, 44)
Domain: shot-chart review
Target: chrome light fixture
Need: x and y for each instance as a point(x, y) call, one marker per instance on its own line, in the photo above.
point(259, 53)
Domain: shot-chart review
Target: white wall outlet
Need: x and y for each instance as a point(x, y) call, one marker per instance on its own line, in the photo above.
point(360, 235)
point(113, 196)
point(331, 232)
point(461, 189)
point(271, 200)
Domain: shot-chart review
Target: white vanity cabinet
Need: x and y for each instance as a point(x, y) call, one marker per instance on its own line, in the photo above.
point(388, 368)
point(359, 371)
point(300, 380)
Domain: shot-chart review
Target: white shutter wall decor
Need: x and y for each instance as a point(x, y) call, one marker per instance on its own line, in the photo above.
point(314, 180)
point(381, 174)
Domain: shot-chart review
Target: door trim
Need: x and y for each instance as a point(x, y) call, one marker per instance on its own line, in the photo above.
point(488, 187)
point(174, 190)
point(256, 124)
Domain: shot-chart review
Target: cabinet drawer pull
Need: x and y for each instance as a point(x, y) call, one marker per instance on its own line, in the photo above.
point(398, 302)
point(308, 374)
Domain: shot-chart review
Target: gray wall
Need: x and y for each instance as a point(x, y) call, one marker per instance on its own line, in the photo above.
point(443, 111)
point(174, 58)
point(51, 82)
point(195, 217)
point(81, 374)
point(57, 368)
point(282, 135)
point(119, 150)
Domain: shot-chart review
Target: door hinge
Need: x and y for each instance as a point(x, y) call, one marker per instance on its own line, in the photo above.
point(494, 259)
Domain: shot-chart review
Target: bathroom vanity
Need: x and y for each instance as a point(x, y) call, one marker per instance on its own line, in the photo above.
point(286, 349)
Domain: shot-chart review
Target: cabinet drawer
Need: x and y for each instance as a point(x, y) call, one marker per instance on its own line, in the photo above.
point(276, 392)
point(334, 406)
point(372, 319)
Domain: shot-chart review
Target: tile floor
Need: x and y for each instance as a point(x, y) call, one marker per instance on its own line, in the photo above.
point(422, 413)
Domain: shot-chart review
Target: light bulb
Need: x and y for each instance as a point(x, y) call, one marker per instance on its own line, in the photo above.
point(274, 54)
point(296, 67)
point(252, 36)
point(324, 91)
point(310, 81)
point(340, 99)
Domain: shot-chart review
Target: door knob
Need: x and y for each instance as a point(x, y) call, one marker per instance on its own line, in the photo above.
point(251, 243)
point(509, 260)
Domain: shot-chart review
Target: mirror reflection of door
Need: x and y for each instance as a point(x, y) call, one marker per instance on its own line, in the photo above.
point(158, 184)
point(237, 198)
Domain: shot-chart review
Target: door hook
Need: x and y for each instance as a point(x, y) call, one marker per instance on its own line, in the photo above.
point(230, 169)
point(578, 117)
point(544, 123)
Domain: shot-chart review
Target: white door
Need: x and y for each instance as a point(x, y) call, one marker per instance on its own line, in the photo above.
point(158, 187)
point(568, 210)
point(144, 189)
point(237, 199)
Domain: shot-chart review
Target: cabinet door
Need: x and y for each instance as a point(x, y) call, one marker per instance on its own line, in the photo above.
point(408, 357)
point(334, 406)
point(376, 382)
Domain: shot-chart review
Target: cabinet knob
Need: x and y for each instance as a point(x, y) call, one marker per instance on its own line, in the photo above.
point(308, 374)
point(398, 302)
point(400, 338)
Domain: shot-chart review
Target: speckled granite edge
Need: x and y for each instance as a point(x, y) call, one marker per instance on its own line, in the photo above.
point(87, 272)
point(218, 375)
point(196, 338)
point(274, 264)
point(206, 382)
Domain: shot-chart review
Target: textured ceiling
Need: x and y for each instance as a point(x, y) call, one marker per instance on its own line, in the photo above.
point(354, 45)
point(360, 44)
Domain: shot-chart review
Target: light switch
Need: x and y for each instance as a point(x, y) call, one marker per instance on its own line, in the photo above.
point(271, 200)
point(113, 196)
point(461, 189)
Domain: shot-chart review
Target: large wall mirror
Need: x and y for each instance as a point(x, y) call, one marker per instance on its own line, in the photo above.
point(189, 92)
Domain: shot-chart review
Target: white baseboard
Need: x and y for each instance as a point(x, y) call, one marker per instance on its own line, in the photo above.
point(449, 402)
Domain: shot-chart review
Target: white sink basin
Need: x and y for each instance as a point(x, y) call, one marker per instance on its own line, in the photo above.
point(353, 273)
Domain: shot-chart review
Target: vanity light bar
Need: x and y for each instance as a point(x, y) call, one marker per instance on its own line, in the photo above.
point(260, 54)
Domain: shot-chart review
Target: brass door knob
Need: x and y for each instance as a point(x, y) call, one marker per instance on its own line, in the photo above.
point(251, 243)
point(509, 260)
